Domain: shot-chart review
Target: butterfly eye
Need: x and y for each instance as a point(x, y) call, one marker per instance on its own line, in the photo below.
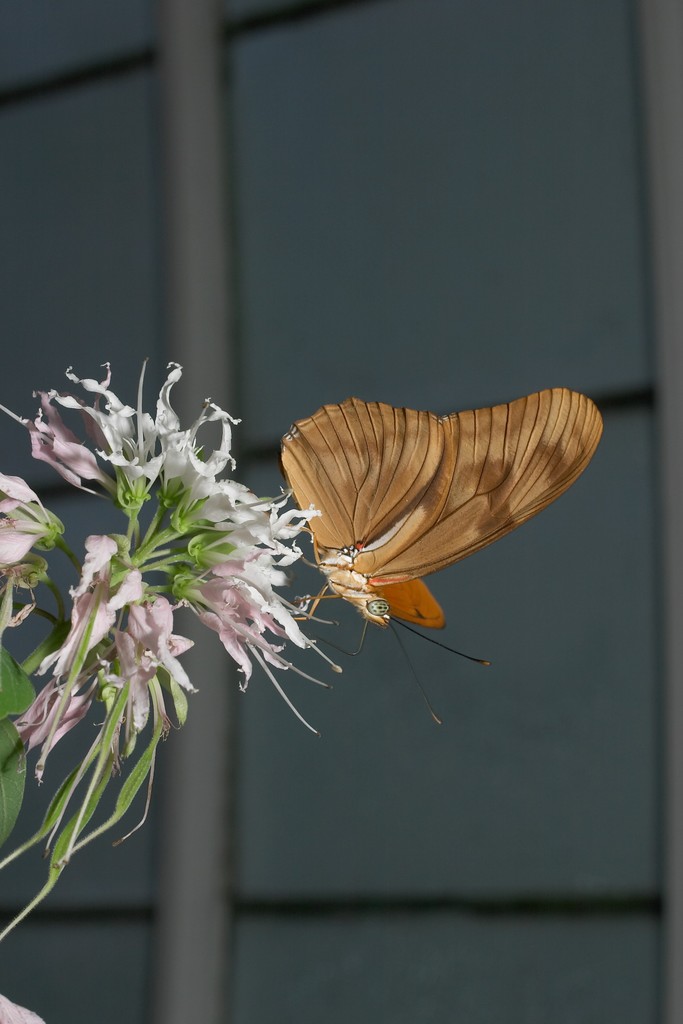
point(378, 606)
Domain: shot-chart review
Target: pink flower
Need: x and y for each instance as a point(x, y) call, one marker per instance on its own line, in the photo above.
point(145, 646)
point(35, 724)
point(10, 1013)
point(237, 601)
point(241, 612)
point(24, 521)
point(61, 704)
point(16, 491)
point(54, 443)
point(150, 626)
point(14, 543)
point(239, 622)
point(95, 607)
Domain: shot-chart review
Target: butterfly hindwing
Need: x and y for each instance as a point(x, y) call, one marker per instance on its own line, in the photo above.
point(413, 602)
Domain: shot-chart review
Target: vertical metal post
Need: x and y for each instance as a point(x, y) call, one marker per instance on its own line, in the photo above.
point(192, 948)
point(661, 32)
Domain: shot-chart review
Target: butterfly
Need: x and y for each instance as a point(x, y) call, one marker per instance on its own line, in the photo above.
point(404, 493)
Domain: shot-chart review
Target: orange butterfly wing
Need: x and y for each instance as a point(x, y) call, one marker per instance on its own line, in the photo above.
point(362, 465)
point(499, 467)
point(414, 602)
point(417, 492)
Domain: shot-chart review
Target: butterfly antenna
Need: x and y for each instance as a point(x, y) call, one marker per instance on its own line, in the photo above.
point(432, 712)
point(342, 650)
point(479, 661)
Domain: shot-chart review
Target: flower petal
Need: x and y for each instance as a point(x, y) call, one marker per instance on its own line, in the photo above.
point(10, 1013)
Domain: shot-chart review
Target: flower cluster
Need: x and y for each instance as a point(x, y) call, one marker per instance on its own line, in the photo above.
point(192, 540)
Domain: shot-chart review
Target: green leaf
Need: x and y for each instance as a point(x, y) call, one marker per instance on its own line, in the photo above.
point(73, 828)
point(66, 840)
point(179, 701)
point(101, 776)
point(55, 811)
point(62, 797)
point(16, 691)
point(130, 787)
point(58, 860)
point(178, 695)
point(12, 777)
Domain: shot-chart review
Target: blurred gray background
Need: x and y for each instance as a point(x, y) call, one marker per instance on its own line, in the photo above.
point(434, 203)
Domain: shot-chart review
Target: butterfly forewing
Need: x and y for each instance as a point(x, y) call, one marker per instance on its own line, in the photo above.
point(363, 465)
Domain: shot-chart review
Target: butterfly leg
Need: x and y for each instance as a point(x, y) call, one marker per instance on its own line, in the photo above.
point(301, 602)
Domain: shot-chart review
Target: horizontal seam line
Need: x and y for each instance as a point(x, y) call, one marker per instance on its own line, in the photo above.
point(76, 913)
point(541, 906)
point(293, 14)
point(60, 82)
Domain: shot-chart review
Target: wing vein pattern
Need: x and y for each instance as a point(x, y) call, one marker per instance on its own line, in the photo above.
point(415, 492)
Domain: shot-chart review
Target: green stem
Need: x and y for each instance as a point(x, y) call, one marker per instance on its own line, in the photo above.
point(133, 529)
point(63, 546)
point(152, 543)
point(57, 808)
point(54, 817)
point(42, 613)
point(156, 522)
point(67, 839)
point(47, 888)
point(105, 763)
point(143, 768)
point(162, 563)
point(57, 594)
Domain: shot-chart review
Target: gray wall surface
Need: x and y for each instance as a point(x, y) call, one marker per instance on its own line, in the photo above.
point(433, 204)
